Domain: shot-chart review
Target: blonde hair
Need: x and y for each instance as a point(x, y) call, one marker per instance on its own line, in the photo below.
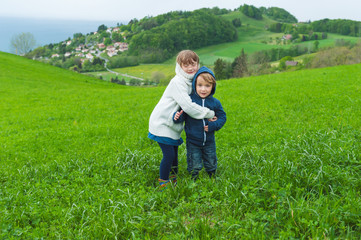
point(187, 57)
point(208, 78)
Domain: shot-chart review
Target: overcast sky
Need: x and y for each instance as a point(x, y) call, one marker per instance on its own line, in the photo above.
point(123, 11)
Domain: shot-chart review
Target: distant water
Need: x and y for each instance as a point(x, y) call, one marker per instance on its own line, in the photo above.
point(46, 31)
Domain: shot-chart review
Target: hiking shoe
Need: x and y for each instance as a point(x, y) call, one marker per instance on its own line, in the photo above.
point(163, 184)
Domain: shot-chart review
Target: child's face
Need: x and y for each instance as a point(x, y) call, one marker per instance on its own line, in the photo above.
point(203, 88)
point(190, 68)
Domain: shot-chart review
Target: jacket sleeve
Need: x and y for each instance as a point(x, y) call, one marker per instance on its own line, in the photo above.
point(180, 95)
point(221, 119)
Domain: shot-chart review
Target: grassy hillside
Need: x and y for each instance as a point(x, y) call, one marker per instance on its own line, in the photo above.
point(76, 162)
point(251, 37)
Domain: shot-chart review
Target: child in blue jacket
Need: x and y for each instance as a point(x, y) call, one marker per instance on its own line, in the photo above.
point(200, 140)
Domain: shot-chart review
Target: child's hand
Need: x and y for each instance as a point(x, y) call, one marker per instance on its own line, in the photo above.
point(177, 115)
point(206, 128)
point(213, 119)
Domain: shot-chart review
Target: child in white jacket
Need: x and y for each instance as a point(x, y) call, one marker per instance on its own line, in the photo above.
point(161, 126)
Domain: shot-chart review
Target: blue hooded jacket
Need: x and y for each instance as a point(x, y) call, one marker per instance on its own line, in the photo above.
point(194, 128)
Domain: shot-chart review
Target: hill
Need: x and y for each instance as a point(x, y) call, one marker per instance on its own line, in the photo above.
point(151, 39)
point(216, 34)
point(76, 162)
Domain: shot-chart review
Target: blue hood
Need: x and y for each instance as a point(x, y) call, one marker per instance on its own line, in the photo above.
point(203, 70)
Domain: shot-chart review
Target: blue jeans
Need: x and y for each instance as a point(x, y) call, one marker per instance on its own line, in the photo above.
point(199, 156)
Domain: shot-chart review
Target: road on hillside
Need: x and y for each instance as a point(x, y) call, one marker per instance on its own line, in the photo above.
point(111, 71)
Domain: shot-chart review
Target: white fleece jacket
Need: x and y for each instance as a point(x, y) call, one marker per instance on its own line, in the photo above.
point(175, 96)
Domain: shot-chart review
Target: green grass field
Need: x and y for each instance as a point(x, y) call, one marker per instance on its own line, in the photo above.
point(106, 76)
point(76, 162)
point(143, 71)
point(146, 70)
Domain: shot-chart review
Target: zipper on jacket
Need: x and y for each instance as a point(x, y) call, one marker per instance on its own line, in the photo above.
point(204, 124)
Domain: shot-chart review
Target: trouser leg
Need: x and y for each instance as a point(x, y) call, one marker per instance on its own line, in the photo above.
point(169, 159)
point(210, 160)
point(194, 160)
point(174, 169)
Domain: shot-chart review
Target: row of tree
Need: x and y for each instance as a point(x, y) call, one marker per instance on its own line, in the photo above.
point(339, 26)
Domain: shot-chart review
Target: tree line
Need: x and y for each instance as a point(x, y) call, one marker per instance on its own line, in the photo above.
point(342, 53)
point(338, 26)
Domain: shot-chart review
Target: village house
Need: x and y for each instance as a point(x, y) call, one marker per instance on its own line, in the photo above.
point(287, 37)
point(67, 54)
point(110, 48)
point(291, 63)
point(79, 55)
point(89, 56)
point(80, 47)
point(122, 46)
point(68, 43)
point(101, 45)
point(116, 29)
point(112, 53)
point(55, 55)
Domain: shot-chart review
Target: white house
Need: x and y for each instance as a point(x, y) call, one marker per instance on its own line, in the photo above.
point(112, 53)
point(89, 56)
point(122, 46)
point(101, 45)
point(110, 48)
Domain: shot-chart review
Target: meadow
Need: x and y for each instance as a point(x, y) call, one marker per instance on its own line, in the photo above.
point(76, 162)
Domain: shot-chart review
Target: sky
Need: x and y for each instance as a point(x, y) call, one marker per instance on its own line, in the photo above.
point(123, 11)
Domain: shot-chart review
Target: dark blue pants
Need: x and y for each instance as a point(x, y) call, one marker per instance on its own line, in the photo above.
point(169, 163)
point(199, 156)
